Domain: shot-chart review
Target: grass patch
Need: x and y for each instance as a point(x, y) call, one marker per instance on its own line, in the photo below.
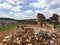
point(57, 26)
point(9, 26)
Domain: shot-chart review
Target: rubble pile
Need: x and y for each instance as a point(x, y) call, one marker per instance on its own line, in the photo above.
point(27, 36)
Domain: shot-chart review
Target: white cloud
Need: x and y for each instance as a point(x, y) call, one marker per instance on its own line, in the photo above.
point(24, 16)
point(10, 12)
point(10, 7)
point(57, 10)
point(52, 1)
point(39, 4)
point(28, 14)
point(37, 11)
point(10, 1)
point(15, 1)
point(4, 15)
point(18, 15)
point(32, 12)
point(43, 3)
point(19, 1)
point(15, 15)
point(46, 3)
point(49, 12)
point(5, 5)
point(16, 8)
point(28, 11)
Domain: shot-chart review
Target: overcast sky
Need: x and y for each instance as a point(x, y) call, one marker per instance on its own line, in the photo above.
point(28, 9)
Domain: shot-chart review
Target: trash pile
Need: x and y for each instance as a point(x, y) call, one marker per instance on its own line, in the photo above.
point(27, 36)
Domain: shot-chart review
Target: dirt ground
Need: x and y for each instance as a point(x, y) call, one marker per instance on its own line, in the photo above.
point(5, 33)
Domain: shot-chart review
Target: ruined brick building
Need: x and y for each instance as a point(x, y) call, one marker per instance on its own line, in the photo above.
point(40, 18)
point(55, 19)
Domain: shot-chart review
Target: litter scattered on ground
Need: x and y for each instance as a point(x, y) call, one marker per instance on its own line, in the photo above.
point(28, 36)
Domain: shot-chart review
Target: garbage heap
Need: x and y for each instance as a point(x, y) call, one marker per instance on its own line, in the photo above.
point(29, 37)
